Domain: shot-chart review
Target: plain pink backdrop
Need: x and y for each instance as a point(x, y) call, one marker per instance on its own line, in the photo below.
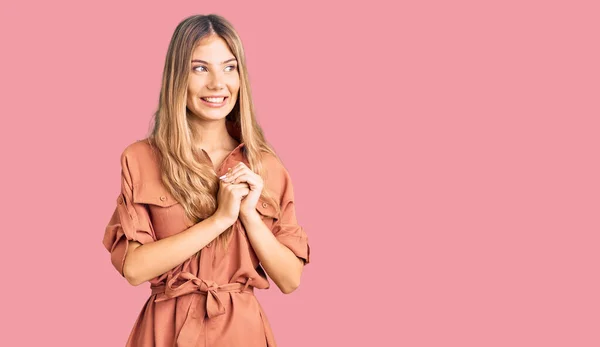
point(444, 154)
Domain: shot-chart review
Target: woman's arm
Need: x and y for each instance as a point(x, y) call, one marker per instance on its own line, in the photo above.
point(280, 263)
point(147, 261)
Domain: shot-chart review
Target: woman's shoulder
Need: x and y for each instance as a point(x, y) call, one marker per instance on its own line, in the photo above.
point(139, 150)
point(273, 165)
point(278, 178)
point(140, 159)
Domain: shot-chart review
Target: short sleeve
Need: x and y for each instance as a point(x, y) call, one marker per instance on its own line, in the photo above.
point(129, 221)
point(286, 229)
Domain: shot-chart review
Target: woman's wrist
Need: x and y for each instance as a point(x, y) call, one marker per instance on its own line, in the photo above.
point(221, 223)
point(250, 216)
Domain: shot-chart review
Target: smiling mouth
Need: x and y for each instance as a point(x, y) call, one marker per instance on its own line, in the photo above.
point(219, 100)
point(214, 102)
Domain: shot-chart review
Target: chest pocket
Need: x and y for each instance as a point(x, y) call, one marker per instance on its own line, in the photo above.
point(267, 212)
point(153, 194)
point(166, 214)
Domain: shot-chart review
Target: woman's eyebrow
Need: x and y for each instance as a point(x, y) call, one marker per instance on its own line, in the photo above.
point(203, 62)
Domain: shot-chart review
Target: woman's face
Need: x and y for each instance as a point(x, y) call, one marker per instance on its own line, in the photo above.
point(214, 80)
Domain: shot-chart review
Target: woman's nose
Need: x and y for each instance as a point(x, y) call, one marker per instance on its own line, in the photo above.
point(216, 81)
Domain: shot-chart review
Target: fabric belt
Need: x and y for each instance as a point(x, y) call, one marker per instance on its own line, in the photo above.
point(189, 334)
point(193, 284)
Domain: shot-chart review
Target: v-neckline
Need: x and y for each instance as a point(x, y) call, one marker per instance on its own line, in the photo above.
point(219, 169)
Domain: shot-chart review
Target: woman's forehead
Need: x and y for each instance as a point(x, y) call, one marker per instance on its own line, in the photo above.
point(213, 50)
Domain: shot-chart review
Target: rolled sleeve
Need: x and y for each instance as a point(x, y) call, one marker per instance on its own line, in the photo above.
point(286, 229)
point(129, 221)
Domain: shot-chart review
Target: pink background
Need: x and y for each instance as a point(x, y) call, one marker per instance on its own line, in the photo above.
point(444, 154)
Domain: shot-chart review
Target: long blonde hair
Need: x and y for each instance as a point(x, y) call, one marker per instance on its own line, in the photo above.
point(193, 181)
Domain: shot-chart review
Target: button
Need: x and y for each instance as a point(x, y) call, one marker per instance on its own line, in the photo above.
point(265, 205)
point(162, 198)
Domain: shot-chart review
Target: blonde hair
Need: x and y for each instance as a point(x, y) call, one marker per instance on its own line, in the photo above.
point(193, 181)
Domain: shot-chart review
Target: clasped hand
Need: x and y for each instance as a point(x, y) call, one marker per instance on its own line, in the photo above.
point(239, 191)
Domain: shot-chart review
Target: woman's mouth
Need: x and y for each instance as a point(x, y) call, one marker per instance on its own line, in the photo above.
point(214, 101)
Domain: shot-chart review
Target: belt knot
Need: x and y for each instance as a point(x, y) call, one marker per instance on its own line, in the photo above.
point(193, 284)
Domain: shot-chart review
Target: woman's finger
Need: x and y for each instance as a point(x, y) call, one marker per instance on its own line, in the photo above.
point(227, 174)
point(233, 177)
point(240, 170)
point(242, 187)
point(240, 167)
point(250, 179)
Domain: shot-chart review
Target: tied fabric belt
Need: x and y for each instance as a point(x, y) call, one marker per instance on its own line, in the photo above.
point(189, 335)
point(193, 284)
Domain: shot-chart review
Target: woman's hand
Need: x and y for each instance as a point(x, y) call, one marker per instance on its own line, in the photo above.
point(242, 174)
point(229, 201)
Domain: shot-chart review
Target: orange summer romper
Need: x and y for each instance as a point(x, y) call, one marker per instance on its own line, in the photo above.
point(208, 300)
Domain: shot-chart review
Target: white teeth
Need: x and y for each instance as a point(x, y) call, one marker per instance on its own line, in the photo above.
point(215, 100)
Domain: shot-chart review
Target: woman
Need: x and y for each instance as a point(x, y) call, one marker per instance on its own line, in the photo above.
point(206, 209)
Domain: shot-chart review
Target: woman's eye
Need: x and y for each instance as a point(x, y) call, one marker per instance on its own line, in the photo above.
point(198, 68)
point(231, 67)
